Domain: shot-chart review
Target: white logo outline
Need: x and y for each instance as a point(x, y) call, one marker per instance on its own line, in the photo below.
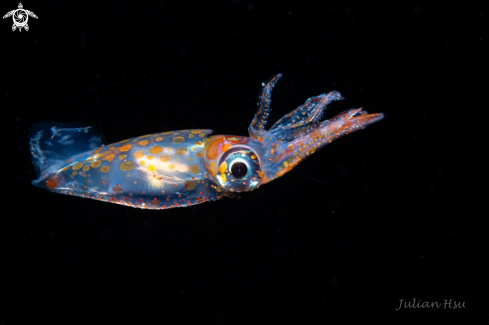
point(20, 17)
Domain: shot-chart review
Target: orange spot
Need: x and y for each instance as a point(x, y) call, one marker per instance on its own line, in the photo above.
point(74, 173)
point(155, 202)
point(111, 148)
point(223, 177)
point(52, 181)
point(104, 169)
point(212, 168)
point(77, 166)
point(290, 147)
point(315, 134)
point(85, 168)
point(127, 165)
point(122, 157)
point(190, 158)
point(171, 166)
point(117, 189)
point(178, 140)
point(165, 158)
point(142, 162)
point(214, 148)
point(138, 154)
point(152, 168)
point(225, 147)
point(123, 141)
point(193, 169)
point(190, 136)
point(222, 167)
point(199, 154)
point(143, 142)
point(149, 157)
point(127, 147)
point(261, 174)
point(195, 131)
point(109, 157)
point(156, 150)
point(189, 185)
point(159, 139)
point(166, 133)
point(253, 157)
point(181, 151)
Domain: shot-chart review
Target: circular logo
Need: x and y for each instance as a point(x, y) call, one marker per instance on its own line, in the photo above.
point(20, 17)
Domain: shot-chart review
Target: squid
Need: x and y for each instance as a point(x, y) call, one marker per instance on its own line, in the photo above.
point(186, 167)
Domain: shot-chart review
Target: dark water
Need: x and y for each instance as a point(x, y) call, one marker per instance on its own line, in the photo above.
point(389, 213)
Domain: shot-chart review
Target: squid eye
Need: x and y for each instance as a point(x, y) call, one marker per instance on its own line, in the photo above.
point(239, 169)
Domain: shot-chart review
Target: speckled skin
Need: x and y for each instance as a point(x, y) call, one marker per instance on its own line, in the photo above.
point(162, 170)
point(187, 167)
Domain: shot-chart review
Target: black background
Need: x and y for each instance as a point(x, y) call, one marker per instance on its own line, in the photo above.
point(387, 213)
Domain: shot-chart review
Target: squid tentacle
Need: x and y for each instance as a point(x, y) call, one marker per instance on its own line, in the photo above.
point(310, 113)
point(257, 127)
point(320, 135)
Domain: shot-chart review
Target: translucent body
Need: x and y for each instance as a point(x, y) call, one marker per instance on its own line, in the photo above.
point(162, 170)
point(182, 168)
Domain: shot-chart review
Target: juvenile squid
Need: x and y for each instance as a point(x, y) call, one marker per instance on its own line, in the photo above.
point(186, 167)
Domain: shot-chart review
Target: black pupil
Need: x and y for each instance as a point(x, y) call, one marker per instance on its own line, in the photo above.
point(239, 169)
